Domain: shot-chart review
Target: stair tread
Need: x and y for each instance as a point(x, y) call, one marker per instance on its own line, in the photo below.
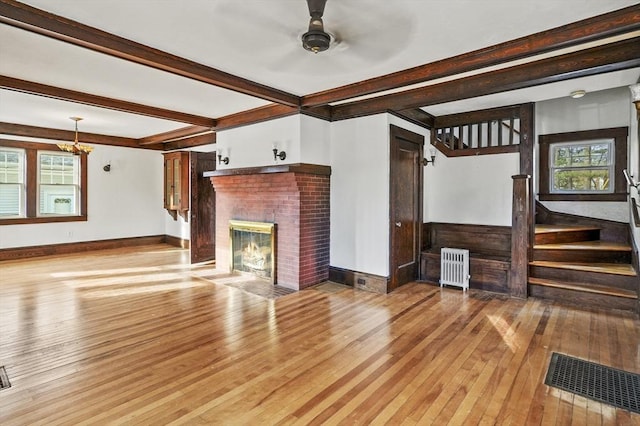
point(585, 287)
point(545, 228)
point(585, 245)
point(606, 268)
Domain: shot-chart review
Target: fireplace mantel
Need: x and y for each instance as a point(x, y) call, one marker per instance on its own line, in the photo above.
point(312, 169)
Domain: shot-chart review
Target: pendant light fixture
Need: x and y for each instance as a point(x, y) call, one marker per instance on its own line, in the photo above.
point(76, 148)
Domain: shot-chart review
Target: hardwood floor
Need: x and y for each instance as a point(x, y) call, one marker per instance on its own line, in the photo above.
point(139, 336)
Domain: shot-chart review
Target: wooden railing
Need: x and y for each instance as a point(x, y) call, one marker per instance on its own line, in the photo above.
point(490, 131)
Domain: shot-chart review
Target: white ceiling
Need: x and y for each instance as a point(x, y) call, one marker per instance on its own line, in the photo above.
point(260, 41)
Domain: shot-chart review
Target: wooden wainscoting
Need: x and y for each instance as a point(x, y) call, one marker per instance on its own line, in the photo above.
point(489, 250)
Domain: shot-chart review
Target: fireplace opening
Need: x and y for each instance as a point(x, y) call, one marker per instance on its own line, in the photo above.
point(253, 248)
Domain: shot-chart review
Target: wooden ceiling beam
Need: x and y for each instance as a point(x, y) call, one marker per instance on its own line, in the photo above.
point(67, 135)
point(416, 116)
point(29, 18)
point(38, 89)
point(597, 60)
point(599, 27)
point(256, 115)
point(171, 135)
point(206, 139)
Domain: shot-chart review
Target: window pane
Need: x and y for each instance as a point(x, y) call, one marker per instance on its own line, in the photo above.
point(585, 180)
point(11, 182)
point(58, 169)
point(582, 167)
point(58, 199)
point(58, 184)
point(11, 166)
point(10, 199)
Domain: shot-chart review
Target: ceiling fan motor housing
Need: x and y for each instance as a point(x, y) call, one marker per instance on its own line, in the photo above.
point(316, 41)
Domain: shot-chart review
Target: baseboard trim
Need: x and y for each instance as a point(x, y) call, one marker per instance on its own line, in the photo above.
point(359, 280)
point(68, 248)
point(177, 242)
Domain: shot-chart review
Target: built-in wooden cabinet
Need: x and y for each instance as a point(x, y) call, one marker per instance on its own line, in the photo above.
point(176, 184)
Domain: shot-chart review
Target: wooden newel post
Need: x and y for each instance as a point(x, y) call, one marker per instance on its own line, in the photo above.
point(520, 223)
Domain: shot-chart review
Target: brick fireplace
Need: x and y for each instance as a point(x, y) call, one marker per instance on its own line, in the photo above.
point(295, 197)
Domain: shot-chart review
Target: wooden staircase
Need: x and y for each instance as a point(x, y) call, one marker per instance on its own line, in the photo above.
point(572, 264)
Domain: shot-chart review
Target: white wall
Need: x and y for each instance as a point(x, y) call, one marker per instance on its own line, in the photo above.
point(360, 192)
point(252, 146)
point(304, 139)
point(360, 195)
point(597, 110)
point(125, 202)
point(471, 190)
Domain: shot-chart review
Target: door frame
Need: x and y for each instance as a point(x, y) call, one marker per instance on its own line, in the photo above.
point(395, 135)
point(202, 246)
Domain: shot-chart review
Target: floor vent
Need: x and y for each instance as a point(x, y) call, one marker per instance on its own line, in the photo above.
point(4, 379)
point(595, 381)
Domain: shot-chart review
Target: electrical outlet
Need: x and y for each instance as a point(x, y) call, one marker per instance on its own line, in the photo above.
point(361, 281)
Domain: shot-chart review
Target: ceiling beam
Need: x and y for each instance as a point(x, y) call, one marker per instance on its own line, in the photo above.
point(597, 60)
point(256, 115)
point(416, 116)
point(38, 89)
point(599, 27)
point(22, 16)
point(172, 135)
point(67, 135)
point(206, 139)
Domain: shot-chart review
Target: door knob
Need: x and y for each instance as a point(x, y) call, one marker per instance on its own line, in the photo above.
point(399, 224)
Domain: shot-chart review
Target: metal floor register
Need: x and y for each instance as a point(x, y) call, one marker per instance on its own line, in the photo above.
point(595, 381)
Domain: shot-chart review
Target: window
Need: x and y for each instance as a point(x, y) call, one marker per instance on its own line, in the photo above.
point(59, 183)
point(11, 182)
point(583, 166)
point(39, 183)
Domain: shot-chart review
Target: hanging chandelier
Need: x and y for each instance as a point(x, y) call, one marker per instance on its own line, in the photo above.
point(76, 148)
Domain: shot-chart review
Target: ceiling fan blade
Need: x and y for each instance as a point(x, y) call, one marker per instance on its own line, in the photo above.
point(316, 8)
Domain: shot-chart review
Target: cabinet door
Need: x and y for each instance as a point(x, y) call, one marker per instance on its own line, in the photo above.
point(168, 183)
point(176, 184)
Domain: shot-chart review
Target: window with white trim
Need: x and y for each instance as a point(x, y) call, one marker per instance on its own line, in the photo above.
point(582, 167)
point(58, 183)
point(12, 178)
point(41, 184)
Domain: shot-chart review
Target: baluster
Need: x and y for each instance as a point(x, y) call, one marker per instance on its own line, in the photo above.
point(511, 125)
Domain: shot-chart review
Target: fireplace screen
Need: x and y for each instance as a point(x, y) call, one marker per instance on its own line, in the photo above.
point(252, 248)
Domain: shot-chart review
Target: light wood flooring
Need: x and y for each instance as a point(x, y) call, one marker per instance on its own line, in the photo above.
point(138, 336)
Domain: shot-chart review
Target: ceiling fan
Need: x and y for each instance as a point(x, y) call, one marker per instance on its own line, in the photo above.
point(316, 39)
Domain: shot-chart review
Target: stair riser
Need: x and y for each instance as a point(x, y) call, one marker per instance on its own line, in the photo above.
point(558, 274)
point(585, 300)
point(562, 237)
point(595, 256)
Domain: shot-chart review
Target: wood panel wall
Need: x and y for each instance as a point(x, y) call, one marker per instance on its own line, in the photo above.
point(489, 248)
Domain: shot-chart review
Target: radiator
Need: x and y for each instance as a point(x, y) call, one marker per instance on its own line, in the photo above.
point(454, 267)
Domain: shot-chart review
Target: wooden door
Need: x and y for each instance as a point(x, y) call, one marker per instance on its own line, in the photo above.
point(405, 215)
point(203, 208)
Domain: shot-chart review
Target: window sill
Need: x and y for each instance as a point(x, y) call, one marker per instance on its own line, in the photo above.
point(49, 219)
point(582, 197)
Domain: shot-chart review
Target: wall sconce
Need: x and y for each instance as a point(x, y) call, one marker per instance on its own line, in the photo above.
point(223, 160)
point(432, 151)
point(107, 167)
point(278, 154)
